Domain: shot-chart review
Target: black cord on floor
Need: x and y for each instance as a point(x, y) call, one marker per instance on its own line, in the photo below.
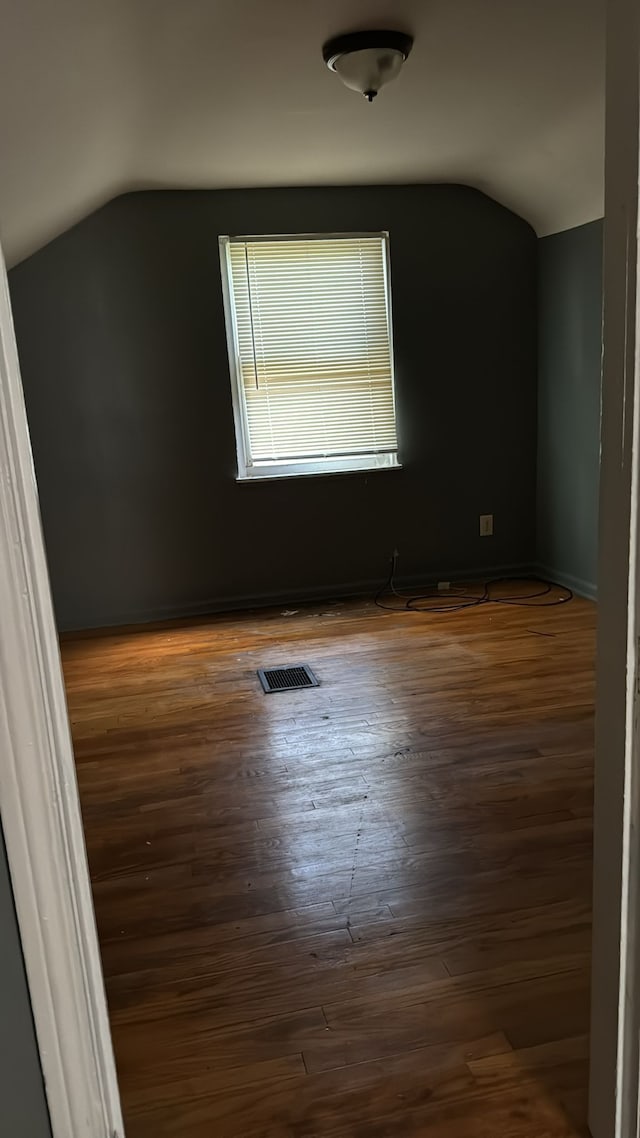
point(458, 597)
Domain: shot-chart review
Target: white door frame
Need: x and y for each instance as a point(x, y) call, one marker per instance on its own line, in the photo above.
point(613, 1084)
point(39, 799)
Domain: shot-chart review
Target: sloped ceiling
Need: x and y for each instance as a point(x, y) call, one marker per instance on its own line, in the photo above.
point(101, 96)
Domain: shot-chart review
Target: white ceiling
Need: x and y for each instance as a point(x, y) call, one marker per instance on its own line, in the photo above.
point(101, 96)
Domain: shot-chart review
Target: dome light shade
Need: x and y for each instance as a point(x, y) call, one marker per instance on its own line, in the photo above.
point(365, 61)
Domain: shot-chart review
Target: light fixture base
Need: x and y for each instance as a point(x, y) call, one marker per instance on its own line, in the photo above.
point(365, 41)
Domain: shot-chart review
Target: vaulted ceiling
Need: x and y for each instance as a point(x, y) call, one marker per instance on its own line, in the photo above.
point(102, 96)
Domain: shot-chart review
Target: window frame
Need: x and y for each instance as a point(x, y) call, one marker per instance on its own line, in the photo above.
point(266, 470)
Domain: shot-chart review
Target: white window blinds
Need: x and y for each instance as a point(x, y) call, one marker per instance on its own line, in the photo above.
point(312, 341)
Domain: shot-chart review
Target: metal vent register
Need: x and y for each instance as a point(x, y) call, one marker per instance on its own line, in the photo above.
point(291, 678)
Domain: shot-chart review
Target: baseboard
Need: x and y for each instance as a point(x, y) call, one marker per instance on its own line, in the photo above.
point(577, 585)
point(308, 595)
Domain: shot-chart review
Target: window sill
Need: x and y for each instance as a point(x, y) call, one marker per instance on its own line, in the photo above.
point(271, 472)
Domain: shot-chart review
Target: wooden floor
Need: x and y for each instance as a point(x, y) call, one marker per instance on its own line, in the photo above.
point(360, 910)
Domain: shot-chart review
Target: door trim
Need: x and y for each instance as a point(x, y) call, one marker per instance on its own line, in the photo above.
point(39, 799)
point(613, 1083)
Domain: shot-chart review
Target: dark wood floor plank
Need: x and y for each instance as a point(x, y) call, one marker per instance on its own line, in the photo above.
point(148, 1059)
point(240, 937)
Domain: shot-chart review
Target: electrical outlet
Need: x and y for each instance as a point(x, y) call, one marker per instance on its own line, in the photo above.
point(444, 585)
point(486, 525)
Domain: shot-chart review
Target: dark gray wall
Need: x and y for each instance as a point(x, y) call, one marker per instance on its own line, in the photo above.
point(122, 343)
point(570, 345)
point(23, 1109)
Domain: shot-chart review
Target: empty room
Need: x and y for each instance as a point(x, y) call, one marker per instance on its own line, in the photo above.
point(308, 305)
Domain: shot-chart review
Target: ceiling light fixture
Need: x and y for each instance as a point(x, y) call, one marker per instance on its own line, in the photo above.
point(365, 61)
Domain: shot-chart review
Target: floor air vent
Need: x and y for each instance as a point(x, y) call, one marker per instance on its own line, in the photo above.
point(291, 678)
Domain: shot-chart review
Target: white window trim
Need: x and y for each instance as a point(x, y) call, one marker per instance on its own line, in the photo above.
point(347, 464)
point(300, 468)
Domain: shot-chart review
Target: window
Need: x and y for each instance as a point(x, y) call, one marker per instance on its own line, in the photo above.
point(309, 330)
